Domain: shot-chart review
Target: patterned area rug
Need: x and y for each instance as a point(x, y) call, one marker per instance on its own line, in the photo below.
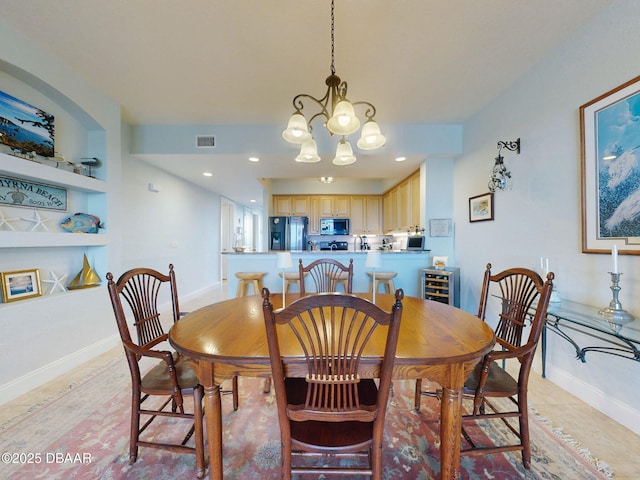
point(82, 433)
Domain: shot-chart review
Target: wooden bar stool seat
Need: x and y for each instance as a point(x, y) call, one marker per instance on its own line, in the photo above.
point(382, 278)
point(291, 278)
point(249, 278)
point(342, 278)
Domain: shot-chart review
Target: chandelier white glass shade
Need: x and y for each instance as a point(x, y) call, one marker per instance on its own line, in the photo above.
point(339, 118)
point(371, 138)
point(308, 152)
point(344, 154)
point(297, 130)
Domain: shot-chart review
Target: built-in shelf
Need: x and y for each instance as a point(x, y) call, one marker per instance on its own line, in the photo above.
point(86, 190)
point(9, 239)
point(27, 170)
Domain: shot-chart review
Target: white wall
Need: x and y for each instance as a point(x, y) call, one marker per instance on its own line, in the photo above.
point(541, 216)
point(179, 224)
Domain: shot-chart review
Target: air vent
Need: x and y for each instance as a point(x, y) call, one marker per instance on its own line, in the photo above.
point(205, 141)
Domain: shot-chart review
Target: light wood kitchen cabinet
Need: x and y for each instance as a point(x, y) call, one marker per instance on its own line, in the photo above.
point(404, 205)
point(281, 205)
point(314, 215)
point(291, 205)
point(335, 206)
point(401, 205)
point(390, 210)
point(374, 214)
point(414, 181)
point(366, 214)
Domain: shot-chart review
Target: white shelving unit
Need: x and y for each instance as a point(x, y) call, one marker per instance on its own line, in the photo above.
point(54, 249)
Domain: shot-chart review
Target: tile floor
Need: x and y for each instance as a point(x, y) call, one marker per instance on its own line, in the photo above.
point(608, 440)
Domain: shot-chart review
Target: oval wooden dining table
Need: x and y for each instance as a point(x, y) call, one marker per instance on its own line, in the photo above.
point(437, 341)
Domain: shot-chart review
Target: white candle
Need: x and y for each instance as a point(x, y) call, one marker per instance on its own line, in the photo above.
point(614, 256)
point(541, 265)
point(546, 267)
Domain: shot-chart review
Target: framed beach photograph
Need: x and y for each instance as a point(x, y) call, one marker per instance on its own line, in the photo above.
point(481, 207)
point(25, 128)
point(20, 284)
point(610, 156)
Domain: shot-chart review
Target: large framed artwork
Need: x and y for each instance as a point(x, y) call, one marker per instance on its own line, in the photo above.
point(610, 155)
point(25, 128)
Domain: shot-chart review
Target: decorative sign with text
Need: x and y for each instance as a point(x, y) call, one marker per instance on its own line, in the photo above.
point(21, 193)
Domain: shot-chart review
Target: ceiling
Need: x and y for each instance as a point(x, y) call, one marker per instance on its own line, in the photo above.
point(224, 62)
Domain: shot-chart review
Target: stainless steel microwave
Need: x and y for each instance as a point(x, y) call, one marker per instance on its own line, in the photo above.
point(334, 226)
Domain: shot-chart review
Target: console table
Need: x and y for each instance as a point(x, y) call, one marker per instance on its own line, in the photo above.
point(567, 317)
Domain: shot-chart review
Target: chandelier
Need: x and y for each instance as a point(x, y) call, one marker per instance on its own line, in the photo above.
point(339, 119)
point(500, 178)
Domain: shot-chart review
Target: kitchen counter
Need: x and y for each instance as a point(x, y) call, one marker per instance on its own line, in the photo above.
point(339, 252)
point(406, 263)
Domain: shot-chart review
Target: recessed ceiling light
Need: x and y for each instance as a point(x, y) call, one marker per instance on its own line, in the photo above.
point(254, 159)
point(327, 179)
point(252, 200)
point(400, 159)
point(208, 174)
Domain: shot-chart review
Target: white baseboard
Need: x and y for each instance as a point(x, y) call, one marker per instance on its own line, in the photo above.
point(185, 297)
point(620, 412)
point(21, 385)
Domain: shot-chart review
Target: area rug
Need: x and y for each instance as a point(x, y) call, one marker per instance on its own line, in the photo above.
point(82, 433)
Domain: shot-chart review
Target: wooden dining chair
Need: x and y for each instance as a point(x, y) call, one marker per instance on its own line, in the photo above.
point(523, 296)
point(326, 274)
point(332, 408)
point(172, 377)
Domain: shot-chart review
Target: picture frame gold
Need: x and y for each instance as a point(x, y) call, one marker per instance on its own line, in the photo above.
point(608, 153)
point(20, 284)
point(481, 207)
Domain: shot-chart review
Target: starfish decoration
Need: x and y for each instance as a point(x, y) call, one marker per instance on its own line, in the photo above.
point(56, 282)
point(38, 221)
point(5, 221)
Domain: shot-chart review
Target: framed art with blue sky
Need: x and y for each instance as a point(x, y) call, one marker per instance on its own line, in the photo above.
point(610, 155)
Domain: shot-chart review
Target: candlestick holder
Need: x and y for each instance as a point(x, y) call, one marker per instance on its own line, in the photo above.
point(614, 313)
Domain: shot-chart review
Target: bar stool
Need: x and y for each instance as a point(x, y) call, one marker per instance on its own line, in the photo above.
point(382, 278)
point(341, 279)
point(249, 278)
point(291, 278)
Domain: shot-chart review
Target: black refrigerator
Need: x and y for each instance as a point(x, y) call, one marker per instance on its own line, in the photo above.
point(288, 233)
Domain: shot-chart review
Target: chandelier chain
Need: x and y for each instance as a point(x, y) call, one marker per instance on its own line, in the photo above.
point(333, 68)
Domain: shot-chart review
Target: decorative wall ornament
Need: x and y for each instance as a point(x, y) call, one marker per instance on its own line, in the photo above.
point(85, 278)
point(81, 223)
point(500, 178)
point(6, 221)
point(38, 221)
point(22, 193)
point(56, 282)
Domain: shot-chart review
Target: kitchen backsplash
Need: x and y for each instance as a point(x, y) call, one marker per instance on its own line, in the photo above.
point(354, 241)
